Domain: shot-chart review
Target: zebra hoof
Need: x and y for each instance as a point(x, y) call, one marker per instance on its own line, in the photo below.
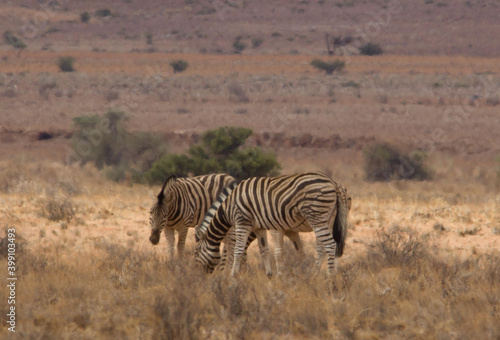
point(269, 275)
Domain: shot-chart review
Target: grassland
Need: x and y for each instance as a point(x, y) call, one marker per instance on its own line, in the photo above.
point(422, 261)
point(422, 258)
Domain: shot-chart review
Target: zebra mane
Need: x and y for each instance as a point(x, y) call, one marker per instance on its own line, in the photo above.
point(161, 196)
point(202, 229)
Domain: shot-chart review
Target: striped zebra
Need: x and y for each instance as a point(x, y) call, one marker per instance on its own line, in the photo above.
point(293, 235)
point(181, 204)
point(230, 238)
point(286, 203)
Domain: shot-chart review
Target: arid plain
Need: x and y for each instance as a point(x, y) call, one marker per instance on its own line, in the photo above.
point(422, 257)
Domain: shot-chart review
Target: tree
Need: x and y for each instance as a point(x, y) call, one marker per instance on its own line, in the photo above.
point(105, 141)
point(85, 17)
point(225, 140)
point(238, 45)
point(370, 49)
point(14, 41)
point(384, 162)
point(66, 64)
point(179, 65)
point(103, 12)
point(220, 150)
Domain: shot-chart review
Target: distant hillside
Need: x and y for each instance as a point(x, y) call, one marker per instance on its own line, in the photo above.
point(423, 27)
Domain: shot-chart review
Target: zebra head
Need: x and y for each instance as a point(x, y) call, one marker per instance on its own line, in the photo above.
point(205, 256)
point(158, 215)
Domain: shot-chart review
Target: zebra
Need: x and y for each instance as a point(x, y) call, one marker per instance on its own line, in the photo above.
point(230, 238)
point(284, 203)
point(182, 204)
point(277, 235)
point(293, 235)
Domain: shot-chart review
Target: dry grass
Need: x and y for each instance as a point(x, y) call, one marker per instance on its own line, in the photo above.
point(98, 276)
point(112, 290)
point(223, 65)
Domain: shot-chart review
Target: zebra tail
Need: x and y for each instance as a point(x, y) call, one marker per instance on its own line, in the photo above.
point(340, 226)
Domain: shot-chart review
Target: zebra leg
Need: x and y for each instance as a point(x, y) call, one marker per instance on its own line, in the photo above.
point(295, 238)
point(242, 233)
point(264, 251)
point(320, 254)
point(278, 240)
point(223, 261)
point(324, 237)
point(181, 241)
point(228, 252)
point(169, 235)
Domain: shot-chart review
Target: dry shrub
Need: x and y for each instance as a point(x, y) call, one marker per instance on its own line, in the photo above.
point(45, 84)
point(237, 92)
point(113, 291)
point(57, 208)
point(111, 95)
point(175, 319)
point(492, 101)
point(19, 241)
point(22, 176)
point(384, 162)
point(398, 246)
point(10, 176)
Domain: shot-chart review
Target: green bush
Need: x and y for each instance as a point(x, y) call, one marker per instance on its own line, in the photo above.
point(224, 141)
point(118, 173)
point(105, 136)
point(384, 163)
point(105, 141)
point(251, 162)
point(179, 65)
point(171, 164)
point(13, 40)
point(328, 67)
point(220, 150)
point(238, 45)
point(370, 49)
point(85, 17)
point(66, 64)
point(256, 42)
point(104, 12)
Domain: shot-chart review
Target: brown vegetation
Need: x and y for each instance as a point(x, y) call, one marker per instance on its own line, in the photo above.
point(97, 275)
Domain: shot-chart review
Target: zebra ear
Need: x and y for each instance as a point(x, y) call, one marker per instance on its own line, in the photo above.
point(349, 202)
point(169, 183)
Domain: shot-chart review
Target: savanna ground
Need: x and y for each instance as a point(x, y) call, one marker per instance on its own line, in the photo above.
point(422, 258)
point(421, 262)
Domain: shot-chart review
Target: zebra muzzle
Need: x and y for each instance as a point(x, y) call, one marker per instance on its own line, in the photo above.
point(154, 238)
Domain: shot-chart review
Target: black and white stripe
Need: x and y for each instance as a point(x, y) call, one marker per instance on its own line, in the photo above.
point(308, 201)
point(181, 204)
